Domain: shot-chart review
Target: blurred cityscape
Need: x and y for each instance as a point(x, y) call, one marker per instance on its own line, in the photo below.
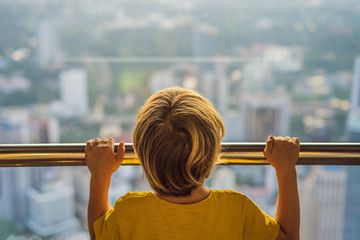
point(75, 70)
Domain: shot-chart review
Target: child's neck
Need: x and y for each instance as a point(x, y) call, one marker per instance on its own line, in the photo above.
point(196, 195)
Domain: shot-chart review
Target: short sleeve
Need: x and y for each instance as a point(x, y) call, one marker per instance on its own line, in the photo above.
point(105, 227)
point(258, 225)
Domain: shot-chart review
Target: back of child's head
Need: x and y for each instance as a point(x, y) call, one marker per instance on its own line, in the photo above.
point(177, 139)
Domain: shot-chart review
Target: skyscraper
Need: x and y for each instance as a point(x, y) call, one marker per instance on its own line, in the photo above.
point(52, 211)
point(352, 207)
point(6, 198)
point(322, 203)
point(221, 97)
point(20, 126)
point(353, 121)
point(13, 184)
point(203, 44)
point(47, 48)
point(262, 116)
point(14, 126)
point(74, 92)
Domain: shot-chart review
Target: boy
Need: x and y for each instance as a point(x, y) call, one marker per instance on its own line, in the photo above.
point(177, 139)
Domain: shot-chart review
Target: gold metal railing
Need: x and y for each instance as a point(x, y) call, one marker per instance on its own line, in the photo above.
point(23, 155)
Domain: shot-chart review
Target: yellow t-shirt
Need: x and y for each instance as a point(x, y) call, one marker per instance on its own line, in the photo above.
point(224, 214)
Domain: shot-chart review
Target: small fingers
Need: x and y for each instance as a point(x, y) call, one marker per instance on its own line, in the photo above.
point(96, 141)
point(110, 142)
point(297, 142)
point(269, 145)
point(104, 142)
point(89, 145)
point(120, 152)
point(88, 148)
point(287, 140)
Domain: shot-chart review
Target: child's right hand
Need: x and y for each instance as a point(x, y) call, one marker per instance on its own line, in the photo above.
point(101, 158)
point(282, 153)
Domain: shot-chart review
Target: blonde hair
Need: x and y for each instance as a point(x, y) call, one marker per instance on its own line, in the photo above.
point(177, 139)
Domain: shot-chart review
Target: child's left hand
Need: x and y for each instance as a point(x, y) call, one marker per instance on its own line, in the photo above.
point(282, 152)
point(100, 157)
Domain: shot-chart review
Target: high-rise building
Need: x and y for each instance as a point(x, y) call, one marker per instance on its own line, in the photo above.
point(14, 126)
point(81, 187)
point(13, 184)
point(221, 96)
point(353, 121)
point(203, 44)
point(74, 92)
point(47, 47)
point(20, 126)
point(261, 116)
point(322, 198)
point(52, 211)
point(6, 191)
point(352, 207)
point(49, 130)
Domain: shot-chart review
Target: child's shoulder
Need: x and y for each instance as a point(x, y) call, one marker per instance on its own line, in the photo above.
point(133, 197)
point(230, 199)
point(136, 195)
point(227, 193)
